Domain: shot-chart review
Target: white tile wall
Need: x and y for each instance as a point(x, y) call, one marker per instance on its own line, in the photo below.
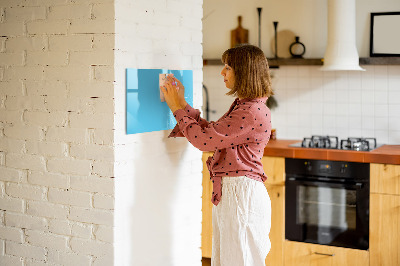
point(312, 102)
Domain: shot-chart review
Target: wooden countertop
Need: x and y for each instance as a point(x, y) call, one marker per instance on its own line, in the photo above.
point(389, 154)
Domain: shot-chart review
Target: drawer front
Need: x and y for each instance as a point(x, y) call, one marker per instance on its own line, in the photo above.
point(385, 178)
point(297, 253)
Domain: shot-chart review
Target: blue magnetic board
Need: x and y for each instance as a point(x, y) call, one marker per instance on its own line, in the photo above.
point(144, 110)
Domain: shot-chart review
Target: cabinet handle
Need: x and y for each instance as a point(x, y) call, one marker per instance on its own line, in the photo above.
point(324, 254)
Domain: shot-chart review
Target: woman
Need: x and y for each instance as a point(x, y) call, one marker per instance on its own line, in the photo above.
point(242, 208)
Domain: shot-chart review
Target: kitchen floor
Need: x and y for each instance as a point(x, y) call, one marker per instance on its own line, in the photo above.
point(206, 261)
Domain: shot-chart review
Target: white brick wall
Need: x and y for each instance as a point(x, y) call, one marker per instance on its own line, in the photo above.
point(56, 132)
point(25, 221)
point(68, 258)
point(47, 210)
point(62, 138)
point(156, 177)
point(46, 240)
point(25, 251)
point(11, 233)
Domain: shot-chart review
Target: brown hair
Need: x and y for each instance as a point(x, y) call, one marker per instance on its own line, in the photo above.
point(250, 66)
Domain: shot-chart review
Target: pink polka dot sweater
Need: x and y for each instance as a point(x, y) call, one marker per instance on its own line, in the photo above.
point(238, 139)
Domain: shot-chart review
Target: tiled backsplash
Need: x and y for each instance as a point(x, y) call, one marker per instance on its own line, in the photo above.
point(314, 102)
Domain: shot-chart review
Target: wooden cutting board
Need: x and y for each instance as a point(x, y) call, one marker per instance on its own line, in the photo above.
point(285, 39)
point(239, 35)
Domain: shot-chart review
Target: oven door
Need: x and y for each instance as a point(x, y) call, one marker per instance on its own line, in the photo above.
point(327, 213)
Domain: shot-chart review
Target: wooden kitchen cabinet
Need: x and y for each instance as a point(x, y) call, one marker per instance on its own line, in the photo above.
point(385, 178)
point(274, 168)
point(384, 237)
point(277, 233)
point(206, 225)
point(305, 254)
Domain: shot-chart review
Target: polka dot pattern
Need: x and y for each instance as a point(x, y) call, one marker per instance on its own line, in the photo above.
point(238, 139)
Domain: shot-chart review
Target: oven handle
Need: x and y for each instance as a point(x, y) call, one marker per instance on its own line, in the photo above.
point(357, 185)
point(324, 254)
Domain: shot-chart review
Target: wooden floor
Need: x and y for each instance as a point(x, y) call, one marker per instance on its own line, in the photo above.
point(206, 261)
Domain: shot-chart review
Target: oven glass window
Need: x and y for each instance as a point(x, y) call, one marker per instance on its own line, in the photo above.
point(326, 207)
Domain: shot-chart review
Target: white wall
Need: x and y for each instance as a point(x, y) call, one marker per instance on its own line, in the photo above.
point(158, 180)
point(305, 18)
point(311, 102)
point(56, 132)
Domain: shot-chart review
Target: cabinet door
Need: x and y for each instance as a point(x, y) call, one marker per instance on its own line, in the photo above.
point(277, 233)
point(304, 254)
point(274, 168)
point(206, 226)
point(384, 229)
point(385, 178)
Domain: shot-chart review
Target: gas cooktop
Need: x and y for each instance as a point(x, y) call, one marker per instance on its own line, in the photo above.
point(332, 142)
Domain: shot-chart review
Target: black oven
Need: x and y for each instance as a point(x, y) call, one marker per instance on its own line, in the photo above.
point(327, 202)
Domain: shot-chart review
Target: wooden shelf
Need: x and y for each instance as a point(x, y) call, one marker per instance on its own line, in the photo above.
point(380, 61)
point(212, 62)
point(274, 63)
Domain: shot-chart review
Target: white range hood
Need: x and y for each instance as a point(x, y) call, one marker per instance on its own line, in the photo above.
point(341, 51)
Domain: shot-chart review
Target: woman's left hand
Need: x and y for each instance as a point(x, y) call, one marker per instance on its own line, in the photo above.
point(171, 95)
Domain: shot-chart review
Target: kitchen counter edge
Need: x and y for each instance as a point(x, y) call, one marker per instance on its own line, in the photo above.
point(385, 154)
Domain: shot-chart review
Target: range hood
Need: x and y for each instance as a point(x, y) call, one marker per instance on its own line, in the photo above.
point(341, 51)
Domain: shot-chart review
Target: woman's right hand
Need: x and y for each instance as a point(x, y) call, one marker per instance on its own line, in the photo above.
point(181, 91)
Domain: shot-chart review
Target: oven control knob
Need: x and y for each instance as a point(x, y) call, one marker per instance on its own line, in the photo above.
point(308, 166)
point(343, 168)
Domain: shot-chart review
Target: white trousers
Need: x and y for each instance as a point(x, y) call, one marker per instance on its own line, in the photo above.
point(241, 223)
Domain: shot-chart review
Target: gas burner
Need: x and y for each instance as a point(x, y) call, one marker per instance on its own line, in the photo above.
point(358, 144)
point(332, 142)
point(327, 142)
